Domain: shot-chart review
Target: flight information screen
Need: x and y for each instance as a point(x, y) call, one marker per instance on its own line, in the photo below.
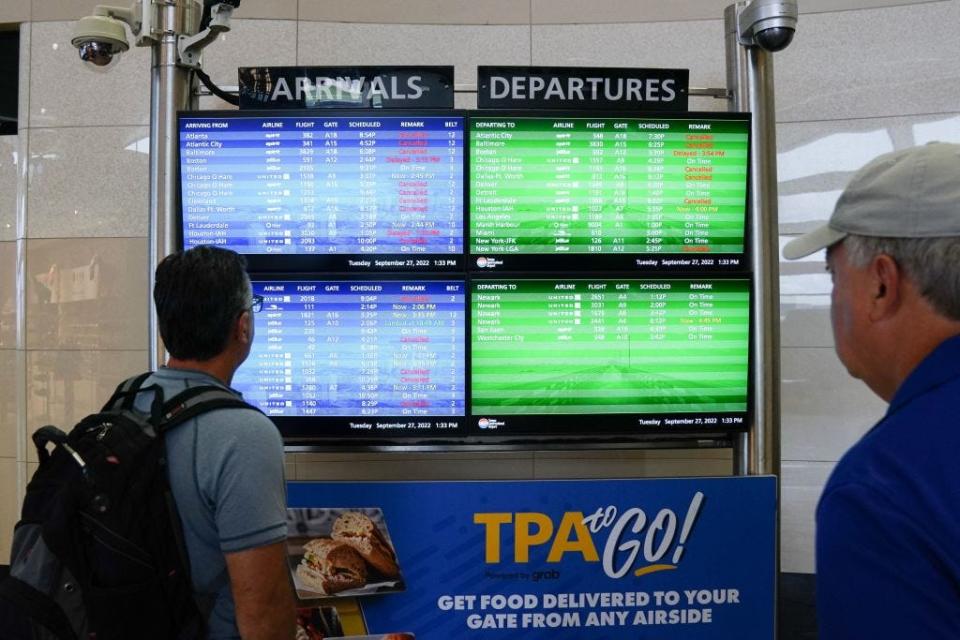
point(359, 358)
point(357, 192)
point(587, 357)
point(593, 192)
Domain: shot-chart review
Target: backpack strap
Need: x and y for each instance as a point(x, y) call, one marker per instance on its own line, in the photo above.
point(37, 606)
point(196, 400)
point(182, 407)
point(125, 389)
point(126, 394)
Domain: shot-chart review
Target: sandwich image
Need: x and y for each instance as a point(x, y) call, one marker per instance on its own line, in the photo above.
point(361, 534)
point(329, 567)
point(341, 552)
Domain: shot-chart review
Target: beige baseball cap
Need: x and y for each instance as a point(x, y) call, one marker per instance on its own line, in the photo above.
point(913, 193)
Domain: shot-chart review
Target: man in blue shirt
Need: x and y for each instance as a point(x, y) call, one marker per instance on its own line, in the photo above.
point(225, 466)
point(888, 522)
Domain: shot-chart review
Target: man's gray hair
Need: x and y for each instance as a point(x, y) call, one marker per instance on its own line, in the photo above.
point(932, 264)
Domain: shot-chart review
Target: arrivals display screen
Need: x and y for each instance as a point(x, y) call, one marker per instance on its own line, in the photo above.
point(608, 355)
point(554, 191)
point(345, 191)
point(359, 358)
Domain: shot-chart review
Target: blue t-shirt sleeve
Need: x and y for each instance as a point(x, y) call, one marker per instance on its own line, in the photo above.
point(246, 481)
point(878, 573)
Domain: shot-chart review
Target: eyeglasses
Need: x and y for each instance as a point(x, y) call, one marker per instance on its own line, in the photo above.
point(256, 303)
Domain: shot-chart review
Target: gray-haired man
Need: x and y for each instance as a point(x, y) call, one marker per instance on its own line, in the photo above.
point(888, 522)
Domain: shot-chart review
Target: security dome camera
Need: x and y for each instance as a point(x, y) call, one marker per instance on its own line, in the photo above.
point(768, 24)
point(100, 40)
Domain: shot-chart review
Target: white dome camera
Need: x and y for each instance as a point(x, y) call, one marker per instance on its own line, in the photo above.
point(100, 40)
point(768, 24)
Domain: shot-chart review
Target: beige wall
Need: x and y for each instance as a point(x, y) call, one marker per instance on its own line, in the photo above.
point(73, 196)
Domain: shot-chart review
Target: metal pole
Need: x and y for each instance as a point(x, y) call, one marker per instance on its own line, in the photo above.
point(765, 449)
point(750, 79)
point(170, 91)
point(736, 57)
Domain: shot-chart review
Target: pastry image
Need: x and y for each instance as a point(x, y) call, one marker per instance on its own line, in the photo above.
point(329, 567)
point(360, 533)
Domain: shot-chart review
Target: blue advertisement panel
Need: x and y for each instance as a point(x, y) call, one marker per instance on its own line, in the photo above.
point(587, 559)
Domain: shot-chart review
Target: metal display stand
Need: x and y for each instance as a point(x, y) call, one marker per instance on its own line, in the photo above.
point(753, 30)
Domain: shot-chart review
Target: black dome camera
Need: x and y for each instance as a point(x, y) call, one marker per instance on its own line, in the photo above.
point(768, 24)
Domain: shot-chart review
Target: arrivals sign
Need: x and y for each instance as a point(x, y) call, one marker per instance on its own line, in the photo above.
point(688, 559)
point(395, 87)
point(582, 87)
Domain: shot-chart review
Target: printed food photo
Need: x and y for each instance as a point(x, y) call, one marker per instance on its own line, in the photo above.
point(341, 552)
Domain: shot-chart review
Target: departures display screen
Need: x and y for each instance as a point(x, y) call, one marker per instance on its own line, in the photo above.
point(608, 192)
point(359, 358)
point(608, 355)
point(343, 191)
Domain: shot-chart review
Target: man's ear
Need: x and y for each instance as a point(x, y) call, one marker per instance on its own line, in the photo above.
point(886, 287)
point(241, 327)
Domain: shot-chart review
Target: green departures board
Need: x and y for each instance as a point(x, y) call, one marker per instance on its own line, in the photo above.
point(604, 346)
point(606, 185)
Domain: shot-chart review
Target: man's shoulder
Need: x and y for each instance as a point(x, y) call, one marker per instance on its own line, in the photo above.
point(237, 424)
point(222, 427)
point(177, 381)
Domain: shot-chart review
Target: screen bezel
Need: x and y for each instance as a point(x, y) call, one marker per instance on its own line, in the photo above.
point(338, 263)
point(738, 263)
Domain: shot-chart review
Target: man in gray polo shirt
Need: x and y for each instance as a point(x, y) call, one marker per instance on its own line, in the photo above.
point(225, 466)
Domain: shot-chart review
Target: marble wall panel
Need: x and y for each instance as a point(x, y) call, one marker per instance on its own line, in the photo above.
point(816, 160)
point(9, 176)
point(8, 295)
point(8, 405)
point(800, 486)
point(824, 410)
point(9, 504)
point(89, 182)
point(416, 12)
point(655, 44)
point(871, 63)
point(87, 294)
point(464, 47)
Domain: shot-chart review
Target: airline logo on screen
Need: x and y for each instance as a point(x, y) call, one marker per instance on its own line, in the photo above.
point(485, 262)
point(635, 543)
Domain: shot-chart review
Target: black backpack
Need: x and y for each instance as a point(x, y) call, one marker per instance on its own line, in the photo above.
point(99, 550)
